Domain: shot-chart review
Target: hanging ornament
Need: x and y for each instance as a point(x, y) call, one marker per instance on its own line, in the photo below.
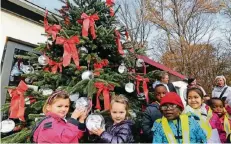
point(83, 104)
point(122, 68)
point(7, 126)
point(35, 88)
point(87, 75)
point(46, 91)
point(95, 121)
point(28, 69)
point(28, 80)
point(43, 60)
point(83, 50)
point(74, 97)
point(139, 62)
point(130, 87)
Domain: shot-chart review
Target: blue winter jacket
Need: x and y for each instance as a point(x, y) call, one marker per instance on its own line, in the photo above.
point(151, 114)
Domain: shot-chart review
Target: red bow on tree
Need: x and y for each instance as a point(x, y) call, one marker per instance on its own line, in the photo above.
point(70, 50)
point(55, 66)
point(100, 65)
point(110, 3)
point(17, 104)
point(145, 86)
point(51, 30)
point(119, 45)
point(88, 22)
point(105, 89)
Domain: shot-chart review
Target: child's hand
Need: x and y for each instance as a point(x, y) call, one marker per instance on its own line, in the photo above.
point(83, 116)
point(77, 113)
point(97, 131)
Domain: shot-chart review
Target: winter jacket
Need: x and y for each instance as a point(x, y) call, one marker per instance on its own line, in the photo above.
point(218, 90)
point(213, 120)
point(54, 129)
point(151, 114)
point(118, 133)
point(196, 134)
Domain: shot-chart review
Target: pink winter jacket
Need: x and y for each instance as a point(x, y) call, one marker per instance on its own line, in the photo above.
point(56, 130)
point(216, 124)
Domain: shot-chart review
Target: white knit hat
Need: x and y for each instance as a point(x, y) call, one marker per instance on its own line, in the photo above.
point(220, 77)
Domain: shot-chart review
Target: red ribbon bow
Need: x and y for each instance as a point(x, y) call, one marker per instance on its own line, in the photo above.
point(89, 22)
point(145, 87)
point(105, 88)
point(17, 103)
point(70, 50)
point(55, 66)
point(51, 30)
point(119, 45)
point(100, 65)
point(110, 2)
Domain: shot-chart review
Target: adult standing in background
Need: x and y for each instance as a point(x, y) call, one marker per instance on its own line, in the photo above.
point(164, 79)
point(221, 90)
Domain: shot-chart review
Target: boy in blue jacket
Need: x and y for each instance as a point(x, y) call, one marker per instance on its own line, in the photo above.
point(152, 113)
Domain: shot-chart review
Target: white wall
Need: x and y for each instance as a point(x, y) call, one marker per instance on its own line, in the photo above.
point(19, 28)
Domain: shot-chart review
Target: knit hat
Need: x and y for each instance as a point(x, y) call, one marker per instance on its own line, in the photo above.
point(218, 77)
point(172, 98)
point(190, 80)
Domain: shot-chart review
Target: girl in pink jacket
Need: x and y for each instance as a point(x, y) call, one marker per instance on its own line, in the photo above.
point(218, 107)
point(54, 128)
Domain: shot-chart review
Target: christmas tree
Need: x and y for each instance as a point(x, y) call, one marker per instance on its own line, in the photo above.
point(87, 54)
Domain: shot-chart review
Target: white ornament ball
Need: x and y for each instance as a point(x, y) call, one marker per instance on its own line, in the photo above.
point(28, 69)
point(83, 50)
point(130, 87)
point(7, 126)
point(83, 103)
point(46, 91)
point(87, 75)
point(139, 63)
point(43, 60)
point(122, 68)
point(28, 80)
point(74, 97)
point(95, 121)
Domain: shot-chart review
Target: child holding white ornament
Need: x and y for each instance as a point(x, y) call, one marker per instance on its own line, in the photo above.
point(121, 130)
point(55, 128)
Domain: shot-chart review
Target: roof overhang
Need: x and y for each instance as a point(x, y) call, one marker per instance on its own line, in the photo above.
point(160, 66)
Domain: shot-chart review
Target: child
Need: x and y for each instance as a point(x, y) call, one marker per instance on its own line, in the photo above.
point(152, 113)
point(217, 106)
point(201, 112)
point(54, 128)
point(174, 127)
point(120, 131)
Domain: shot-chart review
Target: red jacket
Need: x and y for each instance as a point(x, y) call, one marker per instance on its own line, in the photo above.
point(56, 130)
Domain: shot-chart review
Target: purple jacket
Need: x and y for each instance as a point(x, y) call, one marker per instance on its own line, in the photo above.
point(118, 133)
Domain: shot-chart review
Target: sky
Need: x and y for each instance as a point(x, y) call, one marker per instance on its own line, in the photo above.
point(221, 22)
